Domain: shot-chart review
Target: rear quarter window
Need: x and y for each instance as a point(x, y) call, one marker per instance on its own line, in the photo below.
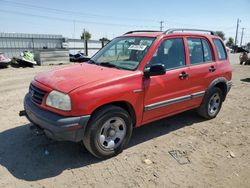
point(221, 51)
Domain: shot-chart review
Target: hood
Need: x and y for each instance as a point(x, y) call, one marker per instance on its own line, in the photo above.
point(72, 77)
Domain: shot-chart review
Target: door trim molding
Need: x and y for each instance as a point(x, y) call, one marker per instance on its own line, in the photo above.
point(173, 101)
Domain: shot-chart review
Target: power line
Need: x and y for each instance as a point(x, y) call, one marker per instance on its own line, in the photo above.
point(72, 20)
point(68, 12)
point(201, 26)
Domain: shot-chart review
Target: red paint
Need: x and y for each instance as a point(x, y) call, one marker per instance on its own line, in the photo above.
point(91, 86)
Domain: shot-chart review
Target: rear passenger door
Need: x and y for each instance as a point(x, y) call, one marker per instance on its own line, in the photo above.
point(202, 66)
point(222, 62)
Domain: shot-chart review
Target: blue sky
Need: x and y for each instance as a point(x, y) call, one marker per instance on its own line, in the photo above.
point(111, 18)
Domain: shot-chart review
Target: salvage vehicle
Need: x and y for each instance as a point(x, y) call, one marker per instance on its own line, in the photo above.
point(78, 57)
point(244, 60)
point(26, 58)
point(137, 78)
point(4, 61)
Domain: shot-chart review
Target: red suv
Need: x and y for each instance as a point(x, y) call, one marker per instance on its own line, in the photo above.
point(135, 79)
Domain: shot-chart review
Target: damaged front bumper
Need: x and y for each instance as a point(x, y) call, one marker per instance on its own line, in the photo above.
point(55, 126)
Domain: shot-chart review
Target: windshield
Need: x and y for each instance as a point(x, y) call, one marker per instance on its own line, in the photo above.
point(123, 52)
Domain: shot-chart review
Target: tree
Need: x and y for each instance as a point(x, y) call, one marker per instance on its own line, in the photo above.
point(87, 35)
point(221, 34)
point(104, 39)
point(230, 42)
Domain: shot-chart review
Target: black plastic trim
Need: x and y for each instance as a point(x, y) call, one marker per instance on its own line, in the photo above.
point(173, 101)
point(55, 126)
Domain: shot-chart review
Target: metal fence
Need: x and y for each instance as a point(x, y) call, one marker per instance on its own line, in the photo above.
point(75, 45)
point(12, 44)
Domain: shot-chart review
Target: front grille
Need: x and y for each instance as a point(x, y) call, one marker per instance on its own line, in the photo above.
point(37, 94)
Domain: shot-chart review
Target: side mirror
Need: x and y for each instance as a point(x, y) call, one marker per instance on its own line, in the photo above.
point(154, 70)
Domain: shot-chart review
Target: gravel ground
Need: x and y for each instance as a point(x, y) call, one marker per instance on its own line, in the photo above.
point(216, 151)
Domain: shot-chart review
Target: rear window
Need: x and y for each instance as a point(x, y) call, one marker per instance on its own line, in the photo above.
point(199, 51)
point(222, 55)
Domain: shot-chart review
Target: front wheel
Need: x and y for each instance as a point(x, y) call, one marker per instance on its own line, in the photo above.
point(108, 131)
point(211, 104)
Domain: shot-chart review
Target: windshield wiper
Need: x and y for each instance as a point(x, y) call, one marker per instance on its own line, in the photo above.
point(108, 64)
point(92, 62)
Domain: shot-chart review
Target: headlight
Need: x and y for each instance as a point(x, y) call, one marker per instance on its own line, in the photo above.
point(59, 100)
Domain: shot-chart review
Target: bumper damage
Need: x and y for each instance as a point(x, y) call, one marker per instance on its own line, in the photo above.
point(55, 126)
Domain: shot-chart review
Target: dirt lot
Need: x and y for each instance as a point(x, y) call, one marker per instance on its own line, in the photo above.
point(218, 150)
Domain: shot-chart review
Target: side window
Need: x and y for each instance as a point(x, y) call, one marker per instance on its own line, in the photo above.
point(207, 51)
point(171, 54)
point(195, 50)
point(199, 51)
point(222, 55)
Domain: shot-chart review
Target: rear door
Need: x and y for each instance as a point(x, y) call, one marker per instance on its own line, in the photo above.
point(202, 66)
point(223, 67)
point(169, 93)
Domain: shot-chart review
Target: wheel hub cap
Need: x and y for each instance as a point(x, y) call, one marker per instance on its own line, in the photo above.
point(214, 104)
point(112, 133)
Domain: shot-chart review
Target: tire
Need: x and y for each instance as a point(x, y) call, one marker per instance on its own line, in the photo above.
point(108, 132)
point(211, 104)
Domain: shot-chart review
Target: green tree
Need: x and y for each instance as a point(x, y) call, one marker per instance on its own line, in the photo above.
point(221, 34)
point(230, 42)
point(87, 35)
point(104, 39)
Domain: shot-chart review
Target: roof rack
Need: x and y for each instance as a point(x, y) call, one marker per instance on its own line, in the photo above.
point(183, 29)
point(138, 31)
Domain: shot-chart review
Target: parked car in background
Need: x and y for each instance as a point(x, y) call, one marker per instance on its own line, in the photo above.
point(244, 59)
point(78, 57)
point(137, 78)
point(240, 49)
point(4, 61)
point(26, 58)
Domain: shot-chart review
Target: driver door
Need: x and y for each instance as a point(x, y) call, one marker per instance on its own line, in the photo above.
point(167, 94)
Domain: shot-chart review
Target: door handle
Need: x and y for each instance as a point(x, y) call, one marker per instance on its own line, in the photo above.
point(183, 75)
point(212, 69)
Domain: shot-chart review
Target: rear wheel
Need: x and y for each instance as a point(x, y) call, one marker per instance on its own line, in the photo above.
point(211, 104)
point(108, 132)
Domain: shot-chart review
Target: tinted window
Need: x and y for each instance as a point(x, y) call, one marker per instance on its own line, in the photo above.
point(220, 49)
point(170, 53)
point(195, 50)
point(207, 51)
point(199, 51)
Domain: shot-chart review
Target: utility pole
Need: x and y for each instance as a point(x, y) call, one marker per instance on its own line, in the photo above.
point(236, 35)
point(85, 43)
point(242, 33)
point(74, 35)
point(161, 25)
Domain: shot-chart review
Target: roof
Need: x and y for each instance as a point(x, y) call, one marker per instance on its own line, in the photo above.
point(171, 32)
point(145, 34)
